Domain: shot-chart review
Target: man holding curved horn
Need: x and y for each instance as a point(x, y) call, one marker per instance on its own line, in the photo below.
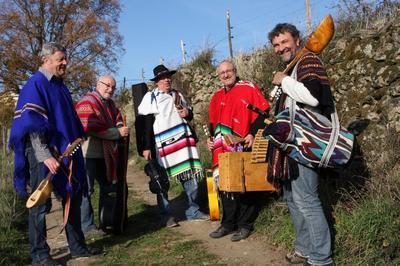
point(307, 84)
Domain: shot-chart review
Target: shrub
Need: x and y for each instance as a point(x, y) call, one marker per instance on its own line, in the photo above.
point(363, 14)
point(203, 59)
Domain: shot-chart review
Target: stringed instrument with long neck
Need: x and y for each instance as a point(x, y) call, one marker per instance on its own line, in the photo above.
point(43, 191)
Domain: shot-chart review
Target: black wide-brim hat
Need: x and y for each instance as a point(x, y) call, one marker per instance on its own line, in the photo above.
point(160, 71)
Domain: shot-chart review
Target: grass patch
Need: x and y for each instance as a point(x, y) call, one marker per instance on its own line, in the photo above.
point(274, 222)
point(368, 234)
point(14, 249)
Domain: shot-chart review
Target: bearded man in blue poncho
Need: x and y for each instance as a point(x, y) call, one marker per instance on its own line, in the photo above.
point(45, 122)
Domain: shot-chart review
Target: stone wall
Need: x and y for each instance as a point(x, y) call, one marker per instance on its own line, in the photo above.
point(364, 71)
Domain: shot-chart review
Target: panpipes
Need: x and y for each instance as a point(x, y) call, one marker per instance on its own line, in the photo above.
point(260, 147)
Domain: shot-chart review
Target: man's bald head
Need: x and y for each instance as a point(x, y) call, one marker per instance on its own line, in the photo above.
point(106, 86)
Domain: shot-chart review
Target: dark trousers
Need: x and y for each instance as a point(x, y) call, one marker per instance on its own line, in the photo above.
point(240, 210)
point(39, 248)
point(96, 170)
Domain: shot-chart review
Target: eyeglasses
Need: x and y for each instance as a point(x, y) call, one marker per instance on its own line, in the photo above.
point(108, 85)
point(228, 71)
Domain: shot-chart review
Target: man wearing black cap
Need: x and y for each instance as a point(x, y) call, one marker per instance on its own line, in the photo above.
point(169, 139)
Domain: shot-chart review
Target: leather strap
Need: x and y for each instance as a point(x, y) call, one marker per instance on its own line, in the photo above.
point(68, 198)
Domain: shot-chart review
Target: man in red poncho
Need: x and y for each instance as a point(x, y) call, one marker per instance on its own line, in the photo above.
point(102, 122)
point(228, 114)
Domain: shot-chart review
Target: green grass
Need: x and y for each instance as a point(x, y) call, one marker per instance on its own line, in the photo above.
point(275, 224)
point(14, 248)
point(369, 233)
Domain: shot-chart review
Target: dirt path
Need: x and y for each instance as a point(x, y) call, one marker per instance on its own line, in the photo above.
point(252, 251)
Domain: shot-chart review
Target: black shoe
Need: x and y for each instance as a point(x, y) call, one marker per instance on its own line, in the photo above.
point(242, 233)
point(220, 232)
point(47, 261)
point(171, 222)
point(90, 251)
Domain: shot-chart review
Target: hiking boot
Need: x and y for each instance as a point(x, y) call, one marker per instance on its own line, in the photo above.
point(295, 257)
point(242, 233)
point(90, 251)
point(220, 232)
point(171, 222)
point(47, 262)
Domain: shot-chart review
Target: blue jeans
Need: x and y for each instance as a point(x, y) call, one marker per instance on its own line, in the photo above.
point(163, 206)
point(39, 248)
point(192, 212)
point(313, 238)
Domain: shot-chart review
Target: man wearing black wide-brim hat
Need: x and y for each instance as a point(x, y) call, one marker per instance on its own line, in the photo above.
point(161, 71)
point(170, 140)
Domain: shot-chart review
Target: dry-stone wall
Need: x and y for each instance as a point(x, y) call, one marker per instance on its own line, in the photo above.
point(364, 70)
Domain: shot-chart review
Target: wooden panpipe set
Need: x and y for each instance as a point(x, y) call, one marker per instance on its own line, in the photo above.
point(260, 147)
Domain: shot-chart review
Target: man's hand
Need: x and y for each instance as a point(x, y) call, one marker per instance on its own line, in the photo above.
point(210, 144)
point(123, 131)
point(278, 77)
point(147, 155)
point(52, 164)
point(248, 141)
point(183, 112)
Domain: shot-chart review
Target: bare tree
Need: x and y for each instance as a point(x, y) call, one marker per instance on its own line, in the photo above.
point(87, 28)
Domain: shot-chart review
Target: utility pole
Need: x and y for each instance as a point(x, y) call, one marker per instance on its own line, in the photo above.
point(308, 18)
point(142, 75)
point(183, 51)
point(123, 86)
point(229, 34)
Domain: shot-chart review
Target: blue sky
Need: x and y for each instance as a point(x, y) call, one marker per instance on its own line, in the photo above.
point(153, 29)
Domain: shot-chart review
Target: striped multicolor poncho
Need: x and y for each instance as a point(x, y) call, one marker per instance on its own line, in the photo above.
point(175, 145)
